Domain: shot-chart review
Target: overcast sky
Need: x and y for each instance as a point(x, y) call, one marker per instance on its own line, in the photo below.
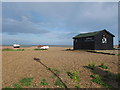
point(55, 23)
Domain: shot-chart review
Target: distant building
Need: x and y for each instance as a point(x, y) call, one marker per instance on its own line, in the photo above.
point(100, 40)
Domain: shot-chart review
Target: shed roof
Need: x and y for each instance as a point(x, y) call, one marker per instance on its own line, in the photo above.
point(91, 34)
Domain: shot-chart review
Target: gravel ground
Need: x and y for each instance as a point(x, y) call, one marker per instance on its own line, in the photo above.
point(19, 64)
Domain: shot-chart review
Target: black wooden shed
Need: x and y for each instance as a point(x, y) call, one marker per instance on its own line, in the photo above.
point(99, 40)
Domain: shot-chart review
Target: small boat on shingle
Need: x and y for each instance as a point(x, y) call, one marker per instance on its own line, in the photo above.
point(16, 46)
point(42, 47)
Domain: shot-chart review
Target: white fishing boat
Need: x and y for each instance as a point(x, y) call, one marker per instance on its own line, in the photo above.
point(43, 47)
point(16, 45)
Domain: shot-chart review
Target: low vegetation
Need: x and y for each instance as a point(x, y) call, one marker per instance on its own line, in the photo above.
point(43, 82)
point(100, 79)
point(58, 83)
point(53, 77)
point(8, 49)
point(49, 69)
point(74, 76)
point(57, 71)
point(23, 82)
point(77, 86)
point(40, 49)
point(7, 87)
point(26, 81)
point(97, 79)
point(91, 66)
point(16, 85)
point(103, 66)
point(118, 54)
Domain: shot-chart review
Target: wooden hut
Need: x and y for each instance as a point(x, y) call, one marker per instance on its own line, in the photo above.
point(99, 40)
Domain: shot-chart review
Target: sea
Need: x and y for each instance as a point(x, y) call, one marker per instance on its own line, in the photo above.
point(46, 45)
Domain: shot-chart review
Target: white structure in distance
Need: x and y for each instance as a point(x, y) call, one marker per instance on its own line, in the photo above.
point(16, 45)
point(44, 47)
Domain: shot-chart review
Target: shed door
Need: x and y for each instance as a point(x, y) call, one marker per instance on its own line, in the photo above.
point(89, 45)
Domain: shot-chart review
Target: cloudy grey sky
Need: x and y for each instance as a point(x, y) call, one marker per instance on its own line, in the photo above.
point(55, 23)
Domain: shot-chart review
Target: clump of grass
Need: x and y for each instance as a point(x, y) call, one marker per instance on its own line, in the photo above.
point(19, 49)
point(16, 85)
point(97, 79)
point(48, 68)
point(52, 77)
point(118, 54)
point(92, 76)
point(57, 71)
point(103, 66)
point(58, 83)
point(91, 66)
point(26, 81)
point(40, 49)
point(8, 49)
point(43, 82)
point(7, 87)
point(77, 86)
point(74, 76)
point(70, 74)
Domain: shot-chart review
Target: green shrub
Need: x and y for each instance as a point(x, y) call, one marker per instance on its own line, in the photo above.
point(74, 76)
point(16, 85)
point(57, 71)
point(52, 77)
point(48, 68)
point(26, 81)
point(7, 87)
point(91, 66)
point(103, 66)
point(92, 76)
point(118, 54)
point(19, 50)
point(40, 49)
point(43, 82)
point(97, 79)
point(77, 86)
point(58, 83)
point(8, 49)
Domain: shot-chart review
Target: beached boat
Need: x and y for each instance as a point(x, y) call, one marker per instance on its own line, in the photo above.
point(43, 47)
point(16, 45)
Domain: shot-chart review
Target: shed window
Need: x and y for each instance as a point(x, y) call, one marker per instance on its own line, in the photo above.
point(104, 39)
